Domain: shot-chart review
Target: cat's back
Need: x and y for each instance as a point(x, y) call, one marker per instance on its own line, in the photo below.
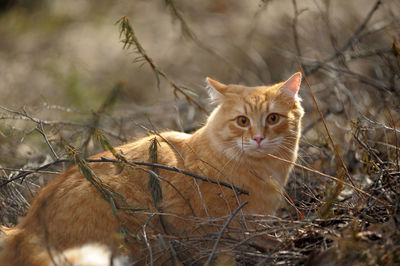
point(79, 185)
point(166, 145)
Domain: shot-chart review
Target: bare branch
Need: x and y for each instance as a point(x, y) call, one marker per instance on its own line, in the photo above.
point(330, 177)
point(350, 41)
point(174, 169)
point(294, 28)
point(41, 131)
point(126, 29)
point(222, 231)
point(146, 240)
point(24, 116)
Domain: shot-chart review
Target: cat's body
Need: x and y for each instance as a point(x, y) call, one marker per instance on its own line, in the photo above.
point(70, 211)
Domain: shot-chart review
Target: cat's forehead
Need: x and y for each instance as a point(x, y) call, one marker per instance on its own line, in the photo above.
point(258, 99)
point(253, 95)
point(253, 91)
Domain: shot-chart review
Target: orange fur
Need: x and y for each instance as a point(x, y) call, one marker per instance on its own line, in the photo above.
point(70, 212)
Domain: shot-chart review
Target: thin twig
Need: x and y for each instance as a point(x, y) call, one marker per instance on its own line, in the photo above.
point(330, 177)
point(319, 119)
point(222, 231)
point(174, 187)
point(126, 29)
point(156, 132)
point(25, 116)
point(29, 171)
point(26, 172)
point(187, 31)
point(350, 41)
point(108, 102)
point(396, 139)
point(360, 77)
point(174, 169)
point(294, 28)
point(334, 147)
point(41, 131)
point(146, 240)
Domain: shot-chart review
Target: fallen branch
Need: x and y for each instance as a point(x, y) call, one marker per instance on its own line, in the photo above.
point(133, 163)
point(173, 169)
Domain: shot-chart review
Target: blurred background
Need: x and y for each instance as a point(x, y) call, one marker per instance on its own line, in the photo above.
point(60, 59)
point(64, 72)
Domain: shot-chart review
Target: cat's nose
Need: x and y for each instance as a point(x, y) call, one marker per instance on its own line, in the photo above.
point(258, 139)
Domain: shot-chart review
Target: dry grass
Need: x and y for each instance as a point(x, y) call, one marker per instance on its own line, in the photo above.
point(62, 83)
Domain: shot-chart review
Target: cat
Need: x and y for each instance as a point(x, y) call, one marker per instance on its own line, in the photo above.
point(233, 146)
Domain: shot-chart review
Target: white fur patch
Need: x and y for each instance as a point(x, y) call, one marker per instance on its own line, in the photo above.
point(89, 255)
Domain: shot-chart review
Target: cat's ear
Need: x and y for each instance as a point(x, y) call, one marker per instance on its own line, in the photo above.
point(216, 90)
point(292, 85)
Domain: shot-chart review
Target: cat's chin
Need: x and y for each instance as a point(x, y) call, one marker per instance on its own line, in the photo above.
point(257, 153)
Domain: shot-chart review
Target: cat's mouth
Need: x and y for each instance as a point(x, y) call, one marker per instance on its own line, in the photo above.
point(258, 150)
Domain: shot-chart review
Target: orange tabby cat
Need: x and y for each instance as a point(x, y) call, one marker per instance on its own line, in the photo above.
point(233, 146)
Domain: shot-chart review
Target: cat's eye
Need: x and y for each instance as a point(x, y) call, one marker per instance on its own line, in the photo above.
point(243, 121)
point(272, 119)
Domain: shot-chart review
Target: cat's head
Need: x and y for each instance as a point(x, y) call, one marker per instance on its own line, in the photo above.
point(256, 121)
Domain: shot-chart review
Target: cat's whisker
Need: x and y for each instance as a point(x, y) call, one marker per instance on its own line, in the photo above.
point(290, 151)
point(232, 155)
point(280, 153)
point(228, 151)
point(285, 152)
